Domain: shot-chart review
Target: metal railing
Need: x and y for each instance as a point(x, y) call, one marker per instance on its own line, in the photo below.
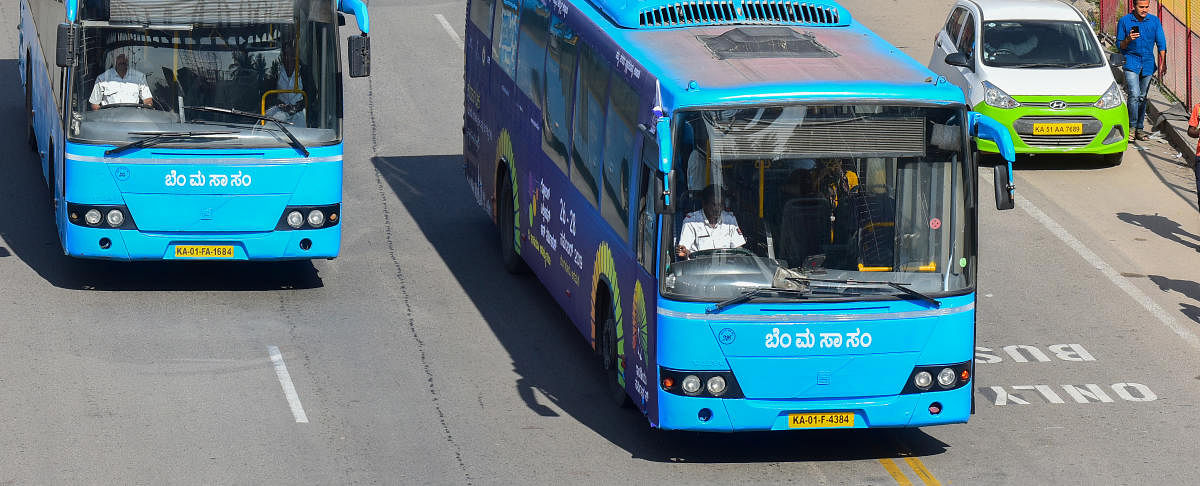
point(1180, 20)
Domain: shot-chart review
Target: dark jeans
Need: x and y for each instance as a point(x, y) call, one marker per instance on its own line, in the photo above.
point(1196, 171)
point(1136, 85)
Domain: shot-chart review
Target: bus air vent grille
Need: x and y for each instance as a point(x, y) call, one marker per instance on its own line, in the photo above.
point(777, 12)
point(726, 12)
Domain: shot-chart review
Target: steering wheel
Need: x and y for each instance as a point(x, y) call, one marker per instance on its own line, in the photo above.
point(125, 105)
point(715, 252)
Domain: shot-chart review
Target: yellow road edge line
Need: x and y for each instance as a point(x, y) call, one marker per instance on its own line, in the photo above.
point(922, 472)
point(895, 472)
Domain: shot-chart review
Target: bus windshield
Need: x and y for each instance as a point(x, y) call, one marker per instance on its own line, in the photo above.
point(839, 192)
point(133, 82)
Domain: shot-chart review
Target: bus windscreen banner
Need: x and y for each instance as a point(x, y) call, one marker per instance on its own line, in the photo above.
point(207, 12)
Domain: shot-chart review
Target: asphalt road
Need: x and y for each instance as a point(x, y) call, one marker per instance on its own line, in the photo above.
point(415, 358)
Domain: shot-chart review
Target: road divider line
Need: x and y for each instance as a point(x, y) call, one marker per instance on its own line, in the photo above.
point(1107, 270)
point(894, 470)
point(923, 473)
point(449, 30)
point(285, 380)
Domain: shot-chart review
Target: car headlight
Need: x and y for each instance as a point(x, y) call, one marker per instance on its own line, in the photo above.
point(996, 97)
point(1111, 98)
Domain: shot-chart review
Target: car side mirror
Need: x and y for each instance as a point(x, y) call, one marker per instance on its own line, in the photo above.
point(64, 51)
point(358, 50)
point(959, 59)
point(1116, 59)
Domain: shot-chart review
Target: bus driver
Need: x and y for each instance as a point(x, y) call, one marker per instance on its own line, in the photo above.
point(120, 85)
point(710, 227)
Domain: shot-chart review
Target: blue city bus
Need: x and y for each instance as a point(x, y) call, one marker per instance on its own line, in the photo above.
point(837, 284)
point(190, 129)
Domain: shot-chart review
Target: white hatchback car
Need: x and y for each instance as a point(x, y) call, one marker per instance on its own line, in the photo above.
point(1037, 67)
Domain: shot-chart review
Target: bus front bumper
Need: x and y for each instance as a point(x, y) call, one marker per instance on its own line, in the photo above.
point(734, 415)
point(121, 244)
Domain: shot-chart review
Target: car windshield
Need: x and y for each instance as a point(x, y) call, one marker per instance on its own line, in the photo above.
point(844, 192)
point(134, 81)
point(1039, 44)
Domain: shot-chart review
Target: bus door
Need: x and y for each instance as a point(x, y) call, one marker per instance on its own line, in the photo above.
point(640, 371)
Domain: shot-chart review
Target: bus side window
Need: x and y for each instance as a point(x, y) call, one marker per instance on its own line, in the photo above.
point(560, 82)
point(646, 227)
point(586, 141)
point(504, 35)
point(481, 15)
point(531, 50)
point(618, 152)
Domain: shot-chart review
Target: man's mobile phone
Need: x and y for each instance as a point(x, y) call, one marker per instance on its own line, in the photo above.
point(1134, 29)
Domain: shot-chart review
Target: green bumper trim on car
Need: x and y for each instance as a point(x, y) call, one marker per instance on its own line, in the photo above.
point(1118, 116)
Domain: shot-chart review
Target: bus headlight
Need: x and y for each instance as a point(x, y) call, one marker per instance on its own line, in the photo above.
point(308, 217)
point(700, 384)
point(92, 217)
point(947, 377)
point(715, 386)
point(316, 218)
point(996, 97)
point(115, 218)
point(1111, 98)
point(295, 219)
point(923, 380)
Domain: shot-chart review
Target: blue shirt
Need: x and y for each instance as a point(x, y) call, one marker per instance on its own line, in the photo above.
point(1139, 55)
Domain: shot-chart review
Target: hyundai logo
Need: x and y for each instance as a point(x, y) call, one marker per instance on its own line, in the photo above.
point(1058, 105)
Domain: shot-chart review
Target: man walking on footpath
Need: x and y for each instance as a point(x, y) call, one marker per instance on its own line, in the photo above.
point(1194, 132)
point(1137, 33)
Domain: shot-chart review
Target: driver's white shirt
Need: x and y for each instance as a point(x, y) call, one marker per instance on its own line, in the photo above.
point(112, 88)
point(698, 235)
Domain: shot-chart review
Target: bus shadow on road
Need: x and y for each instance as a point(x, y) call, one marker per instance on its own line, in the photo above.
point(29, 233)
point(557, 370)
point(31, 236)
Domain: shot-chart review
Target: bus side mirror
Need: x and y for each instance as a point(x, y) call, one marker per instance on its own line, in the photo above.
point(664, 197)
point(64, 51)
point(358, 50)
point(1005, 197)
point(986, 128)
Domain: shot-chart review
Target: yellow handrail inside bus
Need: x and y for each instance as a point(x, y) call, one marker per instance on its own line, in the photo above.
point(270, 92)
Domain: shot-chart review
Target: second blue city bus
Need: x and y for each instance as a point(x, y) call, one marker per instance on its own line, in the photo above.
point(761, 215)
point(190, 129)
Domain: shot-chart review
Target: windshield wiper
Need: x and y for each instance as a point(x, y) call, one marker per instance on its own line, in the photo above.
point(754, 293)
point(901, 286)
point(157, 137)
point(282, 125)
point(1035, 65)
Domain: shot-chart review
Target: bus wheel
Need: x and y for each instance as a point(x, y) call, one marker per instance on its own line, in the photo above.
point(506, 218)
point(613, 389)
point(30, 136)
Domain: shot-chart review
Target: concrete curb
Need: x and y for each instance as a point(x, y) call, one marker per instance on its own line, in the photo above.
point(1171, 119)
